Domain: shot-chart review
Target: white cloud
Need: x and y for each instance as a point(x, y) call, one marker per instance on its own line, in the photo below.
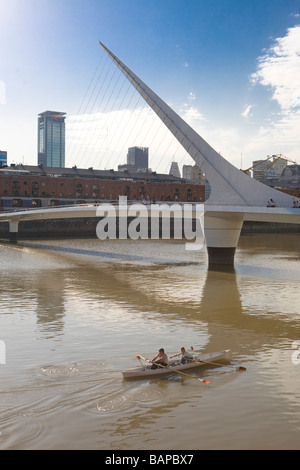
point(246, 112)
point(279, 69)
point(101, 140)
point(191, 115)
point(191, 96)
point(279, 137)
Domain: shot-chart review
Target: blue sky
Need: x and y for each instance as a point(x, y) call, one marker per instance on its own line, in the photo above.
point(230, 68)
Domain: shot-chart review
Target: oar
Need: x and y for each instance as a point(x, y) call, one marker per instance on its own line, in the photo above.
point(177, 371)
point(218, 363)
point(224, 365)
point(139, 358)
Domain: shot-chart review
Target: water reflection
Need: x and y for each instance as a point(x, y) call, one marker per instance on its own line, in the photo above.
point(73, 321)
point(50, 302)
point(229, 307)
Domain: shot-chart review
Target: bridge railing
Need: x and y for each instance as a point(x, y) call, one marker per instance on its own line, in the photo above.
point(93, 204)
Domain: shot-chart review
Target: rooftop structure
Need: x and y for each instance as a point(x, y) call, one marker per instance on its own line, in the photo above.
point(75, 172)
point(174, 169)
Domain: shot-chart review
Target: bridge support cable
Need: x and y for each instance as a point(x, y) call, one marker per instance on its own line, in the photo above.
point(113, 117)
point(229, 186)
point(95, 120)
point(223, 177)
point(78, 129)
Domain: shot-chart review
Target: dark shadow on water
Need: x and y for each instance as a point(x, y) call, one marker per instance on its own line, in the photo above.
point(109, 255)
point(222, 268)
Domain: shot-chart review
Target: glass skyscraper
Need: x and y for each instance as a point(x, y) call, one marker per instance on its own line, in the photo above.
point(3, 158)
point(137, 157)
point(51, 139)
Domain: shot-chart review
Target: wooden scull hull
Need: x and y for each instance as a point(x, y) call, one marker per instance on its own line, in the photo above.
point(173, 366)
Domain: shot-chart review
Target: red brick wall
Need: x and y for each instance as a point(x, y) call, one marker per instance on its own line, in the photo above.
point(292, 192)
point(95, 188)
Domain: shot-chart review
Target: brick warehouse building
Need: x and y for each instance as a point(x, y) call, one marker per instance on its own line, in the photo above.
point(32, 186)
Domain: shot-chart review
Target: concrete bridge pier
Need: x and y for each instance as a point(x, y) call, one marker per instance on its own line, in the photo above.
point(13, 231)
point(222, 233)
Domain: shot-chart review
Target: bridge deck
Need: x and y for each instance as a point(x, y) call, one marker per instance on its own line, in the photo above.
point(254, 214)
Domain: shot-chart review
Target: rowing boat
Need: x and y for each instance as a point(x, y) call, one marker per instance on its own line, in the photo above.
point(176, 366)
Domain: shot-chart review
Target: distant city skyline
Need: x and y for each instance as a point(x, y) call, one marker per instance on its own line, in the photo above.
point(229, 68)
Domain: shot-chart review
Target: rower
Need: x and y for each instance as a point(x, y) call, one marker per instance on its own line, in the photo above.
point(186, 356)
point(161, 358)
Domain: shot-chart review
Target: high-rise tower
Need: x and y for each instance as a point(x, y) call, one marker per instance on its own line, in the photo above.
point(137, 157)
point(3, 158)
point(51, 139)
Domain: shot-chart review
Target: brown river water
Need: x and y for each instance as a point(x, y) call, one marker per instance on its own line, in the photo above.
point(74, 313)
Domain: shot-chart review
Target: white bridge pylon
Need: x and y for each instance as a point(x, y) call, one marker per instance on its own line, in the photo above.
point(229, 186)
point(234, 196)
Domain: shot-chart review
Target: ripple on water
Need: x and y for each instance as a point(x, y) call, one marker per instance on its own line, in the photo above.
point(60, 370)
point(129, 398)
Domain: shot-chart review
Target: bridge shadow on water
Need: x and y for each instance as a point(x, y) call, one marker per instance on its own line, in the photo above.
point(222, 299)
point(105, 254)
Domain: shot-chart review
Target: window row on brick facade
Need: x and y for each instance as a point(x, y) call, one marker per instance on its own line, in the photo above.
point(47, 186)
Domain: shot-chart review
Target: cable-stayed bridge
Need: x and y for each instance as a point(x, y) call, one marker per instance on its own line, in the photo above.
point(234, 196)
